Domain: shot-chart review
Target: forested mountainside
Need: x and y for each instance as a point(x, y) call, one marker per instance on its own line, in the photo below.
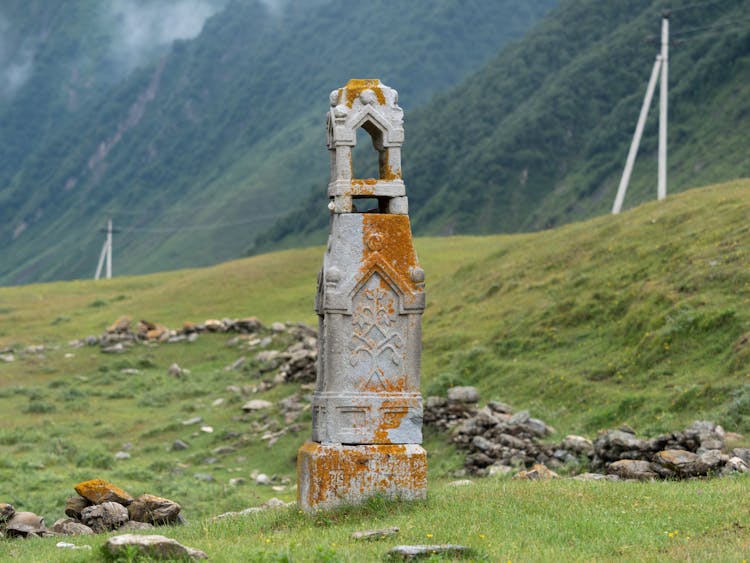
point(538, 136)
point(199, 133)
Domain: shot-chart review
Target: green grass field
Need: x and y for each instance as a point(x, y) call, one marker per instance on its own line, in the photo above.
point(638, 319)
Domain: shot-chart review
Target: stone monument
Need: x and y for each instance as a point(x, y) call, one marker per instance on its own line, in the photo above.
point(367, 410)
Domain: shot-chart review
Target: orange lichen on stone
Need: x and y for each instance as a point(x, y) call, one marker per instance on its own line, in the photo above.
point(386, 171)
point(356, 86)
point(337, 474)
point(393, 413)
point(363, 186)
point(99, 491)
point(396, 249)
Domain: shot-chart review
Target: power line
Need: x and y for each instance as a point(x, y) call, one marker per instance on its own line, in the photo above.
point(711, 27)
point(199, 227)
point(695, 5)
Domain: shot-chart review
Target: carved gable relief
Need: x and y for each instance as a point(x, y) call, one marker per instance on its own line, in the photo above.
point(378, 340)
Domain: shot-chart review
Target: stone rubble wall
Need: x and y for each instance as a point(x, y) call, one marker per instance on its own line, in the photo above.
point(497, 440)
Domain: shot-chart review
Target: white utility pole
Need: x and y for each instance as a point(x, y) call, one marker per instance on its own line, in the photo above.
point(106, 253)
point(661, 64)
point(617, 207)
point(109, 248)
point(662, 188)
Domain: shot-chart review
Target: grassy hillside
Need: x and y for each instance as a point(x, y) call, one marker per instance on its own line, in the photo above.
point(538, 136)
point(638, 319)
point(590, 325)
point(199, 151)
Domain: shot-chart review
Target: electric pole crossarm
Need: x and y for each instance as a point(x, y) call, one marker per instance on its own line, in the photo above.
point(635, 143)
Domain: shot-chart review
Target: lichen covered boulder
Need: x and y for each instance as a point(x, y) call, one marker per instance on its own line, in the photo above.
point(99, 491)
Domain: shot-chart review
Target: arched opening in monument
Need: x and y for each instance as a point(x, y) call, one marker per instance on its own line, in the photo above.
point(365, 164)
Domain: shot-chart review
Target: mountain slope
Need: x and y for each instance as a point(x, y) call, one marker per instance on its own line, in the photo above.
point(200, 151)
point(538, 136)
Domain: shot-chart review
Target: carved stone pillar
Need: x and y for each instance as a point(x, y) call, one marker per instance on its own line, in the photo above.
point(367, 409)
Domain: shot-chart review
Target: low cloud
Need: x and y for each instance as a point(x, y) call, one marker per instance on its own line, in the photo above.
point(16, 61)
point(140, 27)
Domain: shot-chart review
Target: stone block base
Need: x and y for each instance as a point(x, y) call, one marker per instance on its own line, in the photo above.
point(336, 475)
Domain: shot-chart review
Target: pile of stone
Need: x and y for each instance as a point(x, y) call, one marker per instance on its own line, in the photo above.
point(697, 451)
point(500, 441)
point(497, 439)
point(99, 507)
point(123, 332)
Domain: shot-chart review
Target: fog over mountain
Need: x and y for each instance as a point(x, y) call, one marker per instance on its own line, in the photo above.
point(16, 60)
point(140, 27)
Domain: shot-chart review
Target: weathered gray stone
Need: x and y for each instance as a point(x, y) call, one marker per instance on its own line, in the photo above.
point(685, 464)
point(153, 510)
point(69, 527)
point(633, 469)
point(463, 394)
point(411, 552)
point(742, 453)
point(105, 516)
point(25, 524)
point(178, 445)
point(134, 526)
point(155, 547)
point(375, 534)
point(578, 445)
point(256, 405)
point(75, 505)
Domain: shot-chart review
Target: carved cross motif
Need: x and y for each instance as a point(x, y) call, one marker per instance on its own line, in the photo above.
point(376, 336)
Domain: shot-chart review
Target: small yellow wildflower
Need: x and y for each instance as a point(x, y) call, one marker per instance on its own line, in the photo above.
point(429, 535)
point(481, 536)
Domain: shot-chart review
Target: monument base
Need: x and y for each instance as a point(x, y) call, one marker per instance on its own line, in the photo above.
point(336, 475)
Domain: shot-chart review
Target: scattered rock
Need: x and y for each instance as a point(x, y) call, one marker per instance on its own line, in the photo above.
point(463, 394)
point(122, 455)
point(633, 469)
point(262, 479)
point(539, 472)
point(24, 525)
point(411, 552)
point(178, 445)
point(153, 510)
point(70, 527)
point(105, 516)
point(193, 420)
point(7, 358)
point(278, 327)
point(99, 491)
point(375, 534)
point(75, 505)
point(66, 545)
point(207, 477)
point(256, 405)
point(271, 503)
point(687, 464)
point(156, 547)
point(121, 325)
point(175, 370)
point(133, 526)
